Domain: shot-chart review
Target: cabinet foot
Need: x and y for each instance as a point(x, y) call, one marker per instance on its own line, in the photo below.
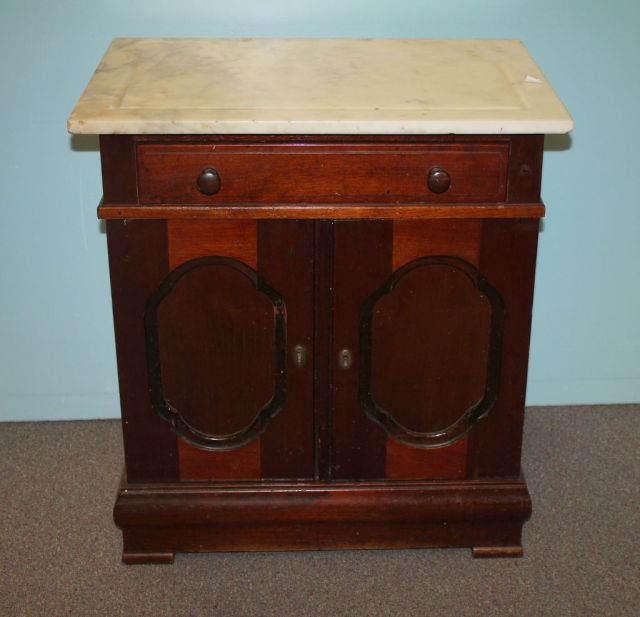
point(137, 558)
point(496, 551)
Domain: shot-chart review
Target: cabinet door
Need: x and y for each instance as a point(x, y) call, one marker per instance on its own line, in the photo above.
point(423, 314)
point(222, 308)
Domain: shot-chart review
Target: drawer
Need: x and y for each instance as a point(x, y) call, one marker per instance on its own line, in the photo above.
point(322, 173)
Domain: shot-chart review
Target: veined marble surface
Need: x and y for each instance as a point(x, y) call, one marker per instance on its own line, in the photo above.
point(341, 86)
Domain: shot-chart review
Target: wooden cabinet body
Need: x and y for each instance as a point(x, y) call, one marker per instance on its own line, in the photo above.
point(324, 353)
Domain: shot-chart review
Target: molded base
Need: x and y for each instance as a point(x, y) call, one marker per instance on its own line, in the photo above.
point(159, 520)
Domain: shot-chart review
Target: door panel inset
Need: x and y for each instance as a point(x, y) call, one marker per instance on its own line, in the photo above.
point(216, 352)
point(430, 351)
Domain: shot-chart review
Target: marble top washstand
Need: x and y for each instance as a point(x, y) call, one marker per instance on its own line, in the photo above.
point(318, 86)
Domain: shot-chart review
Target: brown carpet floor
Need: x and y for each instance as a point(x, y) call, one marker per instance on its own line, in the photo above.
point(60, 551)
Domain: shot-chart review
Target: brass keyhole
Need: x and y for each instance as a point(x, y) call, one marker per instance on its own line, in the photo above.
point(345, 359)
point(299, 356)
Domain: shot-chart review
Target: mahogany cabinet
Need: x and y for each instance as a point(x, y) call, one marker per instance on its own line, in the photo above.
point(350, 375)
point(322, 257)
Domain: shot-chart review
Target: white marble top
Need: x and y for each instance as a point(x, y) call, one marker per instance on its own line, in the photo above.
point(330, 86)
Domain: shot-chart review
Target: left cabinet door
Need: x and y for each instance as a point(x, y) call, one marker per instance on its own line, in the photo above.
point(214, 336)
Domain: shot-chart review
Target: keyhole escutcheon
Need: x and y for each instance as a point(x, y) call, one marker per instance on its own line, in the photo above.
point(345, 359)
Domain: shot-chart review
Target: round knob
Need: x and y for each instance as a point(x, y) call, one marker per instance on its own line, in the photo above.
point(208, 181)
point(439, 180)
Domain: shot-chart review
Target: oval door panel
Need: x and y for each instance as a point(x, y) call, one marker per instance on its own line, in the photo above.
point(430, 349)
point(215, 344)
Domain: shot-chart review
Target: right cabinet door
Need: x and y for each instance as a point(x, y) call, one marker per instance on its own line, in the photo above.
point(430, 340)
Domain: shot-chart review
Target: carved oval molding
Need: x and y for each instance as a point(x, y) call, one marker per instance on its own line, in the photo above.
point(178, 420)
point(384, 416)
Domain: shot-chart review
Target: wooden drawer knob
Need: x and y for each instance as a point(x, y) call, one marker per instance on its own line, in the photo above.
point(208, 181)
point(439, 180)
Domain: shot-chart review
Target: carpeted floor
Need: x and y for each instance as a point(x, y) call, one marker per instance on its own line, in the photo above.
point(60, 551)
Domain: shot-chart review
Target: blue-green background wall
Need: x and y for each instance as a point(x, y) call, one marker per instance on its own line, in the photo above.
point(56, 340)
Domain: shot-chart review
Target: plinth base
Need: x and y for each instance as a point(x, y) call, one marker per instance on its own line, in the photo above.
point(162, 519)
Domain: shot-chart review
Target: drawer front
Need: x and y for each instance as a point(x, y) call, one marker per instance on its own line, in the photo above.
point(321, 173)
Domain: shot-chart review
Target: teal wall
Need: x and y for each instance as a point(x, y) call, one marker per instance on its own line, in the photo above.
point(56, 340)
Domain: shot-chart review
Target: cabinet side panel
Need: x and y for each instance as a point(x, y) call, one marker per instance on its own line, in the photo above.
point(138, 262)
point(285, 262)
point(119, 170)
point(507, 260)
point(525, 168)
point(362, 262)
